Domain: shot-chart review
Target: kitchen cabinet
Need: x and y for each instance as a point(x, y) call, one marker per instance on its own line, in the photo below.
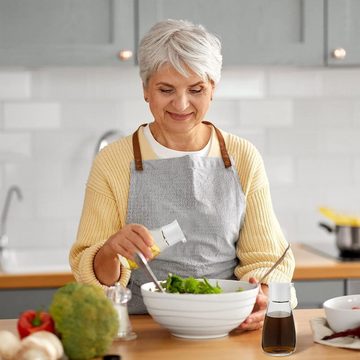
point(15, 301)
point(253, 32)
point(312, 294)
point(19, 292)
point(257, 32)
point(343, 32)
point(66, 32)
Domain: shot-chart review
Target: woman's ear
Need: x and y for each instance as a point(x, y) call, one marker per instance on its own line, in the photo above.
point(212, 89)
point(145, 92)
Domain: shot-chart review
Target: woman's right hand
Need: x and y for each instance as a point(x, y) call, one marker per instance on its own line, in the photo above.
point(128, 240)
point(125, 242)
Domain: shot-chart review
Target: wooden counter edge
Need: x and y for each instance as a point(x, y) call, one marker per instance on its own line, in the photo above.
point(309, 265)
point(38, 280)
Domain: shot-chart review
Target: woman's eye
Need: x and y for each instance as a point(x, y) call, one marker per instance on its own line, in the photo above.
point(166, 91)
point(196, 91)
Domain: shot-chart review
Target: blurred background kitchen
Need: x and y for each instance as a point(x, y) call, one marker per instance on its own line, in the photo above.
point(68, 75)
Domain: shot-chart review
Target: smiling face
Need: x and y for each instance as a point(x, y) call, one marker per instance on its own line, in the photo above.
point(178, 103)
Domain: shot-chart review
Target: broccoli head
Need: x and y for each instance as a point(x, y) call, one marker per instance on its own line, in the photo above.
point(85, 319)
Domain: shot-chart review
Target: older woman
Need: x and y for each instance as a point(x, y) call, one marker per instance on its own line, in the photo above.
point(180, 167)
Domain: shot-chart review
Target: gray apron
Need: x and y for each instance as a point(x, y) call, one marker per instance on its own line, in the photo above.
point(204, 195)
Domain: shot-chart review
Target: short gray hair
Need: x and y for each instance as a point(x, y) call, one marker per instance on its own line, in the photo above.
point(179, 43)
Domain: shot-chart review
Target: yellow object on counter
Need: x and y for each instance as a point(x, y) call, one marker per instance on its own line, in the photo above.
point(340, 219)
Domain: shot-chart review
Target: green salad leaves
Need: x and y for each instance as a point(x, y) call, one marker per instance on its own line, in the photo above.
point(190, 285)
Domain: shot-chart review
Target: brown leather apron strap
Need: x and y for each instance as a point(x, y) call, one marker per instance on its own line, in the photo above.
point(137, 151)
point(224, 153)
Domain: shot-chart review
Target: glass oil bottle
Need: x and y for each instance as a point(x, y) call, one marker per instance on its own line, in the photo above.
point(164, 237)
point(279, 334)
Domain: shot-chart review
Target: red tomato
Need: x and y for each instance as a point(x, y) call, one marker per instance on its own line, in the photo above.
point(31, 321)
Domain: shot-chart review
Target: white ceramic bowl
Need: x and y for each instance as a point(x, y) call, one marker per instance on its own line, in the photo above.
point(340, 314)
point(202, 316)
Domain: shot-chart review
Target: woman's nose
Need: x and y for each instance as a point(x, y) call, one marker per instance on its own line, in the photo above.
point(181, 102)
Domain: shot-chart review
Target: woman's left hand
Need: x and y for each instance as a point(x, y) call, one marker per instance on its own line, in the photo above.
point(255, 320)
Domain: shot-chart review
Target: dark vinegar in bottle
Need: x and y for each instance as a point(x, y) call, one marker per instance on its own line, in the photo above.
point(279, 336)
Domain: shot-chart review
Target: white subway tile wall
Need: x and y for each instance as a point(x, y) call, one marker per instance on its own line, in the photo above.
point(15, 84)
point(80, 115)
point(357, 171)
point(304, 121)
point(341, 83)
point(356, 120)
point(294, 83)
point(242, 83)
point(15, 146)
point(266, 113)
point(31, 115)
point(1, 116)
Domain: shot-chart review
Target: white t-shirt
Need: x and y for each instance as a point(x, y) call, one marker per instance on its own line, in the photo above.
point(165, 153)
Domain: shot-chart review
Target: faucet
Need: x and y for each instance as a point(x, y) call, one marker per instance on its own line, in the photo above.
point(4, 215)
point(104, 140)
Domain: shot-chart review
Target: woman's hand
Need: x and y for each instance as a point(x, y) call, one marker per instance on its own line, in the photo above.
point(256, 319)
point(125, 242)
point(128, 240)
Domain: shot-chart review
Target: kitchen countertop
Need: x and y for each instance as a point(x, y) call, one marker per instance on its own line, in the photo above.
point(309, 266)
point(155, 342)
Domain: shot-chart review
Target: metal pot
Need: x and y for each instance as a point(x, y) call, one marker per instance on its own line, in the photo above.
point(347, 238)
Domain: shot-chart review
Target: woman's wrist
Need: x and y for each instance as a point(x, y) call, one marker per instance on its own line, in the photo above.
point(106, 266)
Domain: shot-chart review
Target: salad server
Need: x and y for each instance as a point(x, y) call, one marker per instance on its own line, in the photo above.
point(281, 258)
point(143, 264)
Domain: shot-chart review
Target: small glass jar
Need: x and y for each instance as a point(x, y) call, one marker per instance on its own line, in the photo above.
point(279, 335)
point(120, 295)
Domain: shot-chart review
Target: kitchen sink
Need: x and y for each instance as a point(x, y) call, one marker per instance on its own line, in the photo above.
point(24, 260)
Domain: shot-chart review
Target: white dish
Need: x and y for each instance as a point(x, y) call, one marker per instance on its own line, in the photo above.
point(202, 316)
point(340, 314)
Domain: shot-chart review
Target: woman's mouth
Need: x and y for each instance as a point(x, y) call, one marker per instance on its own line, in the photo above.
point(180, 117)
